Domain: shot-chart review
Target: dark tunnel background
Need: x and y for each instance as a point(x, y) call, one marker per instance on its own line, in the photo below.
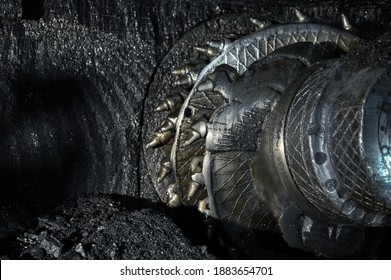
point(32, 9)
point(75, 79)
point(41, 153)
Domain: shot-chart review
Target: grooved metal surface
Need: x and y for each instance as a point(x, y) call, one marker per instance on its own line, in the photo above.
point(242, 54)
point(324, 146)
point(301, 124)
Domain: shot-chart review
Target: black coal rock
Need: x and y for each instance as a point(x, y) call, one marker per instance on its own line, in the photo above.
point(104, 227)
point(75, 80)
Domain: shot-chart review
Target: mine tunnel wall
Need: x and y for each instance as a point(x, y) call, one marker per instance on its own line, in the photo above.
point(74, 79)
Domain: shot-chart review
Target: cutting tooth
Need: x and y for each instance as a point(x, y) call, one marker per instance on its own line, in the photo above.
point(164, 170)
point(300, 16)
point(168, 124)
point(203, 50)
point(197, 180)
point(169, 103)
point(186, 80)
point(208, 51)
point(346, 24)
point(206, 86)
point(203, 206)
point(214, 48)
point(160, 139)
point(219, 46)
point(163, 106)
point(215, 44)
point(196, 164)
point(192, 136)
point(174, 199)
point(261, 24)
point(183, 81)
point(195, 132)
point(183, 70)
point(193, 188)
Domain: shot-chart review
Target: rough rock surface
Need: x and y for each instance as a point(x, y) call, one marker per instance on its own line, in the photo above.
point(104, 227)
point(75, 80)
point(76, 76)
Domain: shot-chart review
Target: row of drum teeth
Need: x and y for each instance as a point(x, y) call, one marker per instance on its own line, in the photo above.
point(262, 24)
point(174, 197)
point(177, 195)
point(301, 17)
point(346, 24)
point(195, 192)
point(173, 103)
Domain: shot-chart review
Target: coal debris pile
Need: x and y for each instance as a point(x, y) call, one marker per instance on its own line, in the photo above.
point(104, 227)
point(76, 78)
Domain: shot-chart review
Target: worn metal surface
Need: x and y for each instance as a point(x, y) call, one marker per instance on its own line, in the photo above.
point(218, 127)
point(328, 125)
point(78, 79)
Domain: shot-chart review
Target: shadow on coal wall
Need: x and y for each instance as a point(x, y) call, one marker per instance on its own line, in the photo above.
point(44, 152)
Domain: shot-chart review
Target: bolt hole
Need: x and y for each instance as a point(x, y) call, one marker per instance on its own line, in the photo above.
point(188, 113)
point(320, 158)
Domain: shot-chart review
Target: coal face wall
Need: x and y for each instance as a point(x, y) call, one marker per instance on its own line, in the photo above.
point(75, 77)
